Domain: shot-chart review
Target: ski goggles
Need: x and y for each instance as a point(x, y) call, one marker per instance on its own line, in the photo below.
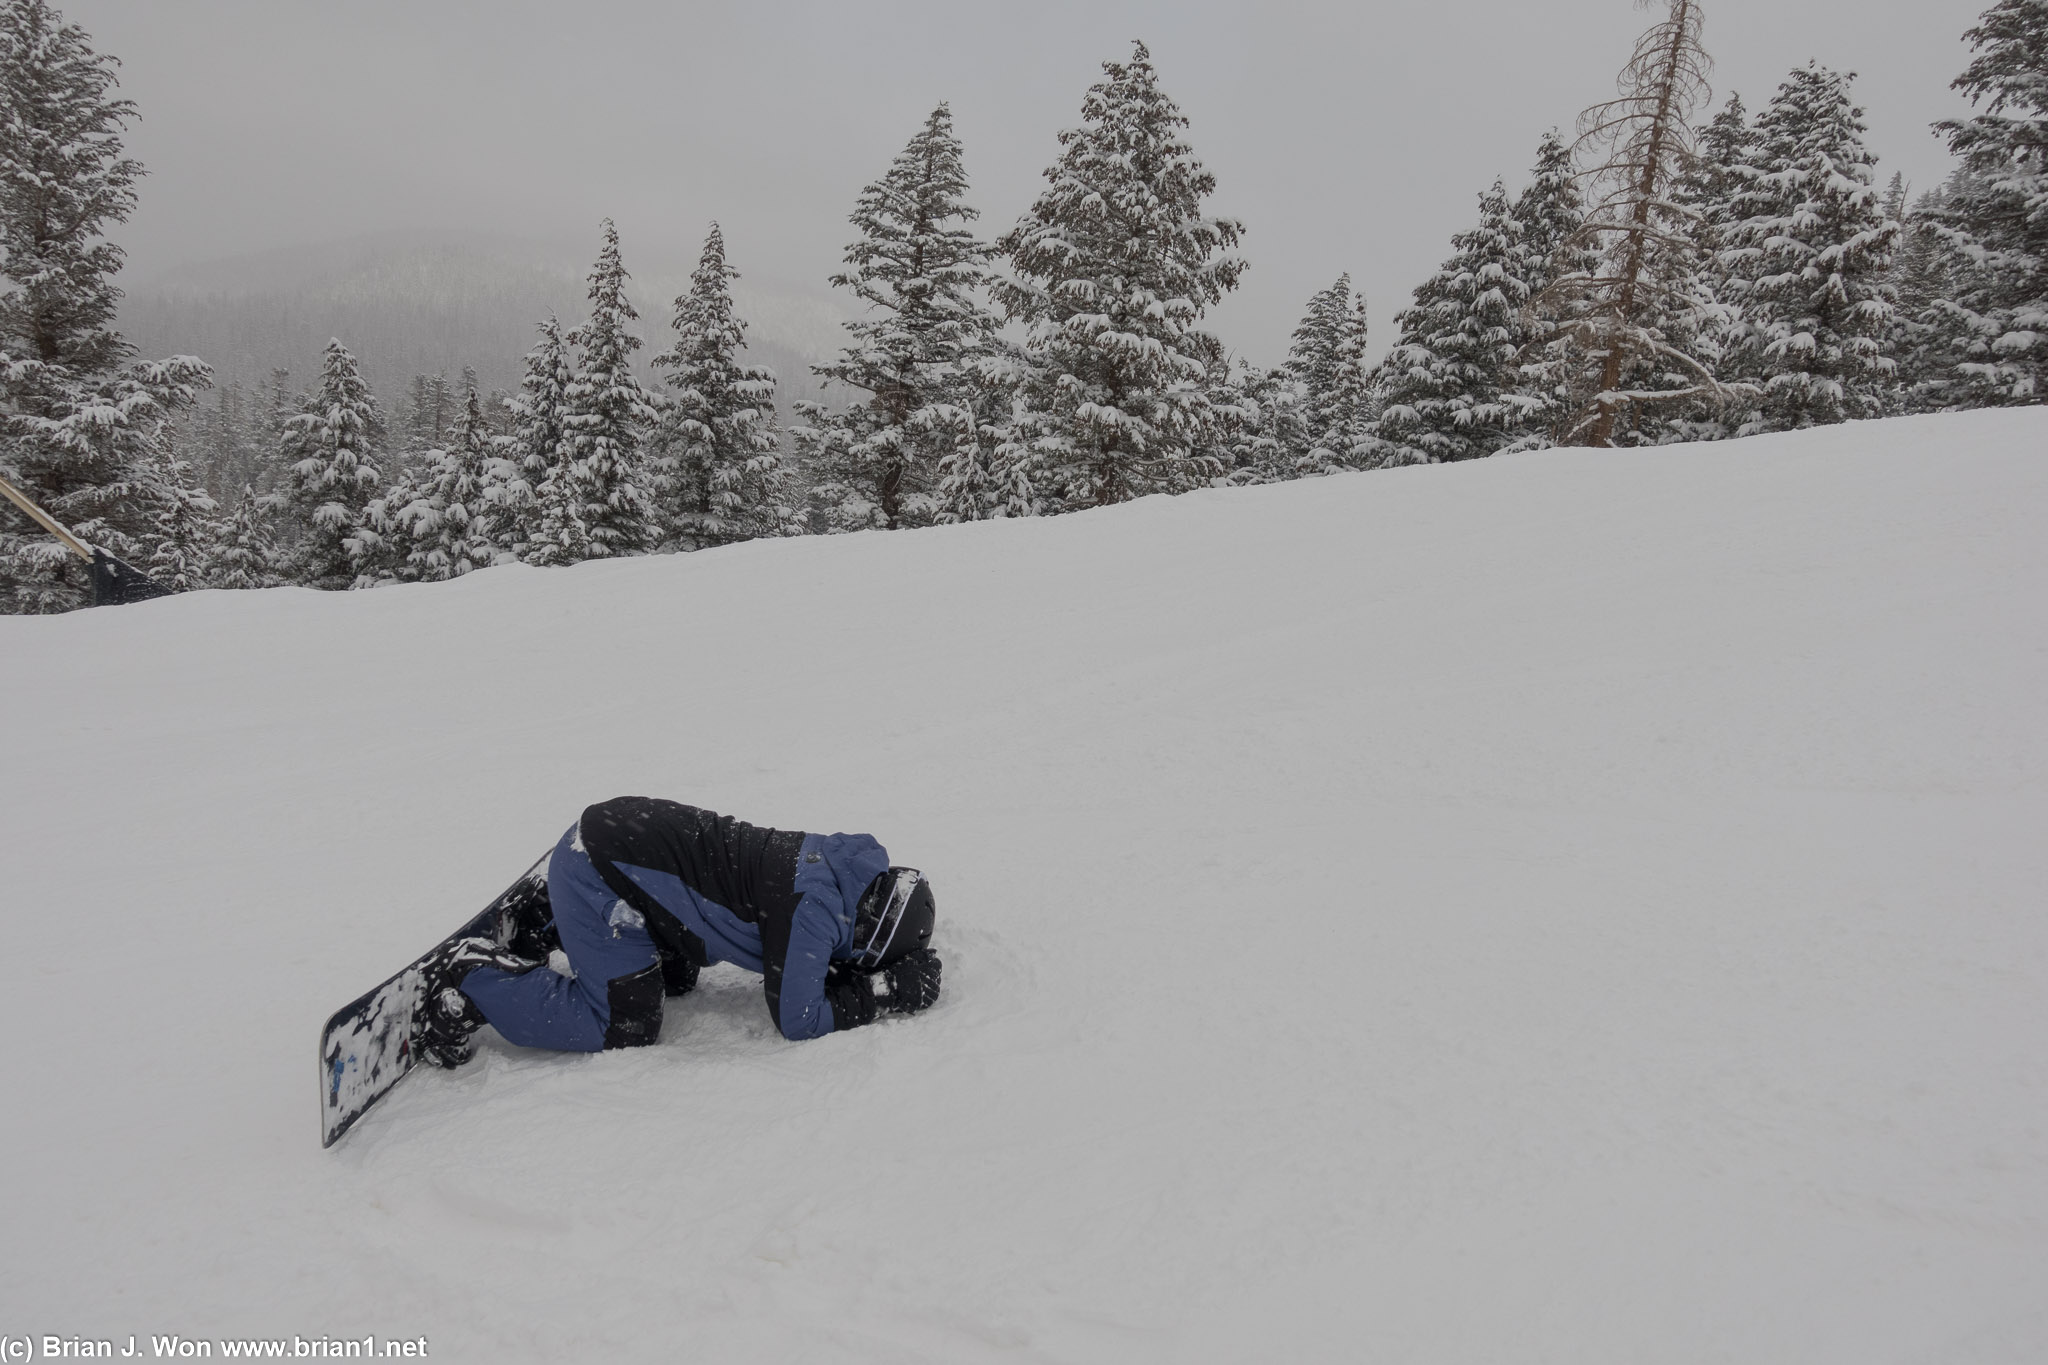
point(880, 935)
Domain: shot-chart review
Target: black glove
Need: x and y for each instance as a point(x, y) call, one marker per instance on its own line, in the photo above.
point(912, 982)
point(851, 996)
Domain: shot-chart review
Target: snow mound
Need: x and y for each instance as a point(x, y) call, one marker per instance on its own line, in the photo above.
point(1581, 906)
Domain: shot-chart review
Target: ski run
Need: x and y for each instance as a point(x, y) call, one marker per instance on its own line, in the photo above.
point(1577, 906)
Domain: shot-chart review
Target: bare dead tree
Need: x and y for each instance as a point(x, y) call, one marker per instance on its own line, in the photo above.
point(1618, 316)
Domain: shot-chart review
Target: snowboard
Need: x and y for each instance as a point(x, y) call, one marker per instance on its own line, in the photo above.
point(366, 1048)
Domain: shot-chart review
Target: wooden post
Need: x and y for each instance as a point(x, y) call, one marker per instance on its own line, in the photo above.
point(45, 520)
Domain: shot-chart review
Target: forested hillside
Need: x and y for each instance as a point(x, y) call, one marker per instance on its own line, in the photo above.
point(1684, 265)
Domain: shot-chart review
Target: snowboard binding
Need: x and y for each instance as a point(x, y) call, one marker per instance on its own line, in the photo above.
point(445, 1022)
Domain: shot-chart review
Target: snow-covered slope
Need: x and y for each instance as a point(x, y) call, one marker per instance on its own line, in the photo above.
point(1580, 907)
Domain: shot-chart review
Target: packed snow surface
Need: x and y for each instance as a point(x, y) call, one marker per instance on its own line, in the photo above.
point(1579, 907)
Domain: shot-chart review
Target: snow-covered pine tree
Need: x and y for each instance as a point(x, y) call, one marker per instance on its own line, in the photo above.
point(1724, 156)
point(245, 555)
point(1269, 441)
point(229, 444)
point(185, 530)
point(1236, 414)
point(79, 424)
point(1897, 207)
point(380, 547)
point(1807, 258)
point(1016, 476)
point(1640, 319)
point(1720, 168)
point(1446, 389)
point(721, 477)
point(1551, 215)
point(1325, 419)
point(1995, 216)
point(534, 452)
point(916, 353)
point(1114, 267)
point(419, 420)
point(449, 522)
point(1350, 410)
point(416, 403)
point(1926, 271)
point(967, 477)
point(282, 405)
point(332, 474)
point(1312, 351)
point(595, 505)
point(971, 473)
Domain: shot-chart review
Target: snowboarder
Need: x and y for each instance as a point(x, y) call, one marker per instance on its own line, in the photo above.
point(641, 893)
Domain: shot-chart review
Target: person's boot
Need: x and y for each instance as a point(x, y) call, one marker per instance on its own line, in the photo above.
point(444, 1025)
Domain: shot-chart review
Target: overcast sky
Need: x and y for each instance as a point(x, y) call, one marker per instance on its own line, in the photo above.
point(1348, 136)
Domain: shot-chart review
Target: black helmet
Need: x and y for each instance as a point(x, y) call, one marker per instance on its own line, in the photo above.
point(895, 917)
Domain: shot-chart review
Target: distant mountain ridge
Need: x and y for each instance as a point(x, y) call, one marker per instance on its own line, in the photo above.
point(411, 305)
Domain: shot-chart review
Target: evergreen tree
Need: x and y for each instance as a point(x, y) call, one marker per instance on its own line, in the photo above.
point(332, 474)
point(1900, 343)
point(1640, 321)
point(1312, 355)
point(79, 424)
point(966, 478)
point(1807, 257)
point(1016, 475)
point(534, 452)
point(380, 548)
point(1550, 216)
point(1348, 409)
point(230, 442)
point(1720, 169)
point(1995, 216)
point(1895, 205)
point(246, 555)
point(722, 477)
point(594, 505)
point(921, 272)
point(1235, 414)
point(970, 470)
point(283, 406)
point(1322, 423)
point(1270, 441)
point(1445, 389)
point(419, 421)
point(430, 410)
point(1115, 265)
point(449, 522)
point(440, 407)
point(1927, 271)
point(1722, 166)
point(185, 530)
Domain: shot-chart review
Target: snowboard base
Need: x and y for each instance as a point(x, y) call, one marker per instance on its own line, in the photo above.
point(366, 1048)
